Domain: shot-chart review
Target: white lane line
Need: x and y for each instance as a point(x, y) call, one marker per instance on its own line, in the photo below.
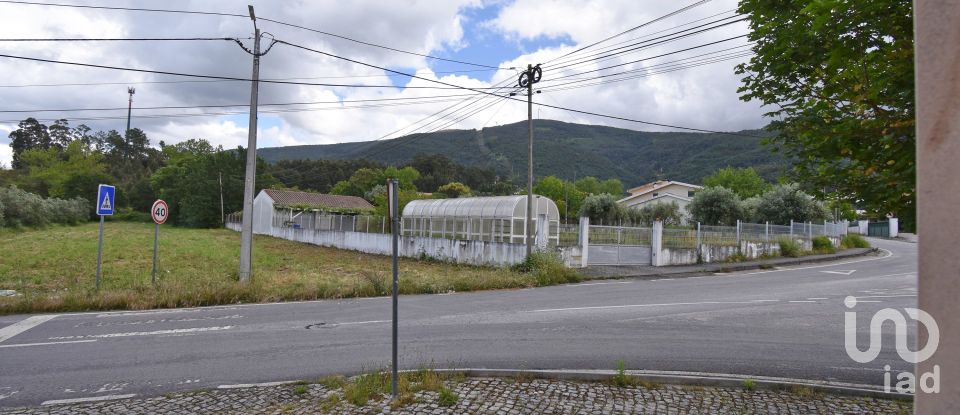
point(648, 305)
point(817, 298)
point(254, 385)
point(144, 333)
point(884, 296)
point(26, 324)
point(888, 255)
point(868, 301)
point(88, 399)
point(2, 346)
point(598, 283)
point(363, 322)
point(801, 301)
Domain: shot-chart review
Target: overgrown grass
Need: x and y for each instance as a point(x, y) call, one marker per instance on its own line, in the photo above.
point(749, 384)
point(375, 385)
point(447, 398)
point(851, 240)
point(822, 245)
point(53, 269)
point(622, 379)
point(547, 269)
point(790, 248)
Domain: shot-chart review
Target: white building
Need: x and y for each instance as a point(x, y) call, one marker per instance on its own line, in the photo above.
point(661, 191)
point(268, 200)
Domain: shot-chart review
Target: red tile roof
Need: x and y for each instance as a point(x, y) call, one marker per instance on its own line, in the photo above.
point(320, 200)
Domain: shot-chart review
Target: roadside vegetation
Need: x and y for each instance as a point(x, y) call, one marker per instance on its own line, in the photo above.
point(53, 269)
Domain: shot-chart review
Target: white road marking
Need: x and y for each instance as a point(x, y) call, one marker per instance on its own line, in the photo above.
point(21, 326)
point(868, 301)
point(887, 256)
point(44, 343)
point(363, 322)
point(88, 399)
point(598, 283)
point(817, 298)
point(5, 395)
point(254, 385)
point(846, 272)
point(648, 305)
point(801, 301)
point(885, 296)
point(144, 333)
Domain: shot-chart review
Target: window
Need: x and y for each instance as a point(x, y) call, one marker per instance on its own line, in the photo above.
point(690, 193)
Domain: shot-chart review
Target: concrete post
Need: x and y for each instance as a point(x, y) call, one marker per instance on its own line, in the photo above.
point(656, 245)
point(938, 195)
point(584, 240)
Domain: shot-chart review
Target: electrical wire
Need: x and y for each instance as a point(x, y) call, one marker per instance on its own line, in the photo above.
point(113, 39)
point(140, 9)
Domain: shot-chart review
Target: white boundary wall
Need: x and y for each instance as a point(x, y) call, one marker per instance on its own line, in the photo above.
point(452, 250)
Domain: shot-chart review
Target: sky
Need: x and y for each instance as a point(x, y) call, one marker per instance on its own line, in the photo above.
point(493, 40)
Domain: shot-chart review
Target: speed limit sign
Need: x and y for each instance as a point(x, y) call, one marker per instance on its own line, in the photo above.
point(159, 212)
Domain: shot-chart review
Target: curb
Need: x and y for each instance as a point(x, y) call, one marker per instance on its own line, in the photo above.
point(693, 379)
point(733, 267)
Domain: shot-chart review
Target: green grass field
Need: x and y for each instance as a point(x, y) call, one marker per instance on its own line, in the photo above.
point(53, 269)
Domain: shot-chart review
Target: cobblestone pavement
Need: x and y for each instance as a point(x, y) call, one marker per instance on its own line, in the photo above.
point(494, 396)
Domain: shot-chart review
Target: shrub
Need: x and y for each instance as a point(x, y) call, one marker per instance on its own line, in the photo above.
point(787, 202)
point(1, 212)
point(447, 398)
point(547, 269)
point(22, 208)
point(821, 244)
point(715, 206)
point(790, 248)
point(130, 215)
point(668, 213)
point(602, 207)
point(852, 240)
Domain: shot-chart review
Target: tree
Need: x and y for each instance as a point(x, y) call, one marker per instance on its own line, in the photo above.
point(602, 208)
point(30, 134)
point(62, 170)
point(715, 206)
point(564, 193)
point(784, 203)
point(840, 75)
point(454, 190)
point(745, 182)
point(668, 213)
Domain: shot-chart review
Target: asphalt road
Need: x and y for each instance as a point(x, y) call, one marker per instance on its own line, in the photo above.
point(783, 322)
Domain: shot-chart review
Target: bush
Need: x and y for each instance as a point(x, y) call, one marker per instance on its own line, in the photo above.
point(668, 213)
point(854, 241)
point(822, 245)
point(790, 248)
point(787, 202)
point(715, 206)
point(547, 269)
point(131, 215)
point(22, 208)
point(602, 207)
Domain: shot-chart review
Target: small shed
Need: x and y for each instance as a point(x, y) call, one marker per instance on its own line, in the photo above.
point(494, 218)
point(271, 204)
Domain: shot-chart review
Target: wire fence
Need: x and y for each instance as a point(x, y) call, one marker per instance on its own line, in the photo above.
point(322, 221)
point(569, 234)
point(619, 235)
point(691, 237)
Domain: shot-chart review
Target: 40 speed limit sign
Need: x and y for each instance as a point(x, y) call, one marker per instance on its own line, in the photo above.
point(159, 212)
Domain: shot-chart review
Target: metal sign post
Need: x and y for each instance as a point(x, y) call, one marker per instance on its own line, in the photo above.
point(393, 204)
point(105, 203)
point(159, 213)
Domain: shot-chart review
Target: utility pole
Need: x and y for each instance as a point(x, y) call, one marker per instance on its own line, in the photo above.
point(527, 79)
point(246, 230)
point(220, 180)
point(130, 91)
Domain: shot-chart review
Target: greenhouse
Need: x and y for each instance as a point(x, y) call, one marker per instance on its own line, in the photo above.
point(495, 219)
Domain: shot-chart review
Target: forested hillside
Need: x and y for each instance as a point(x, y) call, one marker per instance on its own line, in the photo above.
point(564, 150)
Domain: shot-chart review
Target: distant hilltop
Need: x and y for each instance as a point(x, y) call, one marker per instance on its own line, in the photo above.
point(565, 150)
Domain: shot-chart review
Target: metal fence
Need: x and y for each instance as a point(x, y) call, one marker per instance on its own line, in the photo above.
point(619, 235)
point(568, 234)
point(691, 237)
point(322, 221)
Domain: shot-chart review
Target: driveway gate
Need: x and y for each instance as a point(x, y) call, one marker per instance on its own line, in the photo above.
point(618, 245)
point(879, 229)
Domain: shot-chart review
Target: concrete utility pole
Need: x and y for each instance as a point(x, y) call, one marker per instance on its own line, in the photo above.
point(246, 230)
point(527, 79)
point(130, 91)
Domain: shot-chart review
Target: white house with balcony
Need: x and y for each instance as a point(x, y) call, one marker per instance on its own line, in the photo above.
point(661, 191)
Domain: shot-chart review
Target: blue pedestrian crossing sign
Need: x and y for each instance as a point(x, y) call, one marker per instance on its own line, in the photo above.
point(105, 199)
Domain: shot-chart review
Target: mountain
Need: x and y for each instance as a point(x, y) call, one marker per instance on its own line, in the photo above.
point(564, 150)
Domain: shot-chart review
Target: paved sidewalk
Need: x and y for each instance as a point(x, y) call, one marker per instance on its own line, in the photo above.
point(675, 271)
point(495, 396)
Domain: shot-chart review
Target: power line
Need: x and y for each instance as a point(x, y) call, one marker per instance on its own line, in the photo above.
point(228, 78)
point(677, 36)
point(236, 105)
point(673, 13)
point(113, 39)
point(140, 9)
point(600, 56)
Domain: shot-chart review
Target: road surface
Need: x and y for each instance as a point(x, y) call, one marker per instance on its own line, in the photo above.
point(782, 322)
